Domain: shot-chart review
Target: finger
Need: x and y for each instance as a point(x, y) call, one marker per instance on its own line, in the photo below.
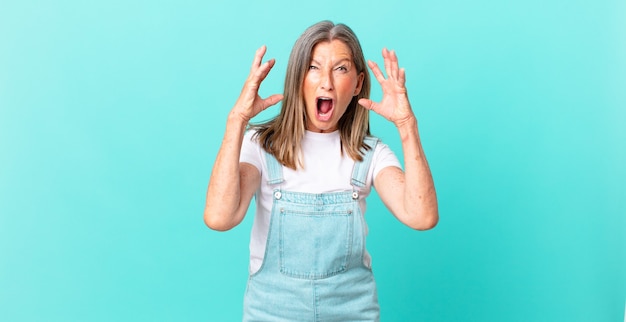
point(256, 77)
point(402, 76)
point(258, 56)
point(393, 61)
point(272, 100)
point(264, 69)
point(387, 62)
point(376, 70)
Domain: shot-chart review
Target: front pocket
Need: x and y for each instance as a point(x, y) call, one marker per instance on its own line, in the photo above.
point(315, 245)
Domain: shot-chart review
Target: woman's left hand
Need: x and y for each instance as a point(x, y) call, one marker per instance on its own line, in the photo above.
point(394, 105)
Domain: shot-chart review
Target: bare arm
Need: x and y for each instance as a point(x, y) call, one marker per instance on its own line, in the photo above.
point(409, 195)
point(232, 184)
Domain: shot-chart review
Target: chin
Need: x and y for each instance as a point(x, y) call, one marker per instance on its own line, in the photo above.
point(321, 128)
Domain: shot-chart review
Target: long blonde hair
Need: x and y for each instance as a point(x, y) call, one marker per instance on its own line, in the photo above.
point(282, 135)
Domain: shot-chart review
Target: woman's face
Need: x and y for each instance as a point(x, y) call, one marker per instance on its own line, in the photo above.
point(329, 85)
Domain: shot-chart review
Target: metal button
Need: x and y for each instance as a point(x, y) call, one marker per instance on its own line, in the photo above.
point(355, 195)
point(277, 194)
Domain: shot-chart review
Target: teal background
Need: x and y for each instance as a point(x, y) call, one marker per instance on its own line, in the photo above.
point(112, 112)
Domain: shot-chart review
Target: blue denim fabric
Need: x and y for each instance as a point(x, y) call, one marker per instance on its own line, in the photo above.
point(313, 266)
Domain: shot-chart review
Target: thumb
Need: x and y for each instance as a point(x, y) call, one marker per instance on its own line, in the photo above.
point(272, 100)
point(368, 104)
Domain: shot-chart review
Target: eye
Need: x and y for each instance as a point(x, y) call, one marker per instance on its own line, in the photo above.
point(312, 67)
point(342, 68)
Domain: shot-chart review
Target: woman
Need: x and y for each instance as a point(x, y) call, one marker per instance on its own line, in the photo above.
point(310, 169)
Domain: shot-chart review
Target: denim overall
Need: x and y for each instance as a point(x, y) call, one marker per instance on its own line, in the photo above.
point(313, 268)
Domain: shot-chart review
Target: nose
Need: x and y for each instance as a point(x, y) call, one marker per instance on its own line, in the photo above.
point(326, 82)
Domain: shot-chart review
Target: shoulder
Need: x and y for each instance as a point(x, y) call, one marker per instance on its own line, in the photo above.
point(379, 147)
point(250, 142)
point(383, 157)
point(251, 150)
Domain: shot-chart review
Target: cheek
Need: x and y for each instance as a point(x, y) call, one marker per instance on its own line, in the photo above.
point(308, 88)
point(348, 85)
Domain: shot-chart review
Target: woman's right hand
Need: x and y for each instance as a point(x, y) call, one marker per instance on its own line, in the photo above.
point(249, 103)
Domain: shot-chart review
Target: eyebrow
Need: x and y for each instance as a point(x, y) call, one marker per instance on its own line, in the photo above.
point(314, 61)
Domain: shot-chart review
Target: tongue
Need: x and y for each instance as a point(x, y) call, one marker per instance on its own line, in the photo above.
point(325, 106)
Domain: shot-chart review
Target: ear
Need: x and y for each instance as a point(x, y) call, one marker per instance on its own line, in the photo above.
point(359, 84)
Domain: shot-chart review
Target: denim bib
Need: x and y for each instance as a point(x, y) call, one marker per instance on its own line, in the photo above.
point(313, 267)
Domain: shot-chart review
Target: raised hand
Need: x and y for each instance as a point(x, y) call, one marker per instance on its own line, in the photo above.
point(249, 103)
point(394, 105)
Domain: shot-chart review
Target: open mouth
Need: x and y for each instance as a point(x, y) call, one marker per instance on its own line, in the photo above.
point(324, 108)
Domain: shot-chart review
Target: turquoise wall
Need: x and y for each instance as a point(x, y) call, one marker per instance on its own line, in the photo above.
point(112, 112)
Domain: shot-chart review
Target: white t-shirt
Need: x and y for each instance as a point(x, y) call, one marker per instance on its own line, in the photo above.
point(325, 170)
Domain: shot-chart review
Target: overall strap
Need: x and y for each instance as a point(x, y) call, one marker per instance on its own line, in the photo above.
point(274, 169)
point(359, 172)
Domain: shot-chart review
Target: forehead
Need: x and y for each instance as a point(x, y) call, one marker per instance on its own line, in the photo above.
point(335, 50)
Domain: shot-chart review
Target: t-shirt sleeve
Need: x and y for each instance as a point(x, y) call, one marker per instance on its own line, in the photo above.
point(383, 157)
point(251, 151)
